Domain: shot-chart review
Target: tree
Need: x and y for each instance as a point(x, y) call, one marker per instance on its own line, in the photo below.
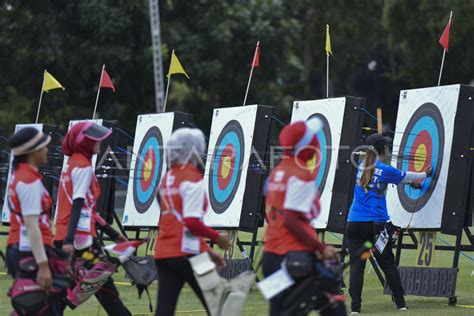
point(215, 41)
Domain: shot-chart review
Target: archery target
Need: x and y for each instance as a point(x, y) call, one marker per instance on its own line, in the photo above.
point(331, 113)
point(422, 145)
point(227, 164)
point(146, 169)
point(423, 137)
point(5, 207)
point(228, 157)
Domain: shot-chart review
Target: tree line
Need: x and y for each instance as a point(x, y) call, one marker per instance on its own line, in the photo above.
point(379, 48)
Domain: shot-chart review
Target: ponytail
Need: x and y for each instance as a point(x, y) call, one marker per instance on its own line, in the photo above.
point(368, 167)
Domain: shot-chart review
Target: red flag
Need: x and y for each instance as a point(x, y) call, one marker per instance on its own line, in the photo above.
point(444, 39)
point(124, 249)
point(256, 57)
point(106, 82)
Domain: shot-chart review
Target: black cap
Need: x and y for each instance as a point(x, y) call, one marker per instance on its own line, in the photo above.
point(378, 141)
point(28, 140)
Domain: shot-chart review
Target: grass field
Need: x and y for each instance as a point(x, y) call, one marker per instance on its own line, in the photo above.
point(374, 302)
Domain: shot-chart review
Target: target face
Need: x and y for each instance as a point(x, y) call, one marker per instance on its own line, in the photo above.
point(320, 167)
point(422, 145)
point(147, 169)
point(226, 166)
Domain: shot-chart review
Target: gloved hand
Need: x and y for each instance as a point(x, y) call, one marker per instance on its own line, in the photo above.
point(416, 185)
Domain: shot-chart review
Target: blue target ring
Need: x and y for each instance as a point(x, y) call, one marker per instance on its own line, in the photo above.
point(226, 166)
point(222, 195)
point(321, 169)
point(147, 170)
point(428, 124)
point(422, 145)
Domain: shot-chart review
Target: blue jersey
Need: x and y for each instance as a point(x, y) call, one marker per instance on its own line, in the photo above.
point(369, 204)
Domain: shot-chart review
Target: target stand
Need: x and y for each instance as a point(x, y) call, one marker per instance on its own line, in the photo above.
point(234, 174)
point(50, 171)
point(334, 173)
point(434, 127)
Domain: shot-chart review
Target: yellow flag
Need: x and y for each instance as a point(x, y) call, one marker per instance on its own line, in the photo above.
point(175, 66)
point(50, 83)
point(328, 42)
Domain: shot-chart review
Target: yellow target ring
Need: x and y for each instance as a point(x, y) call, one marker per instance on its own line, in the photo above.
point(226, 163)
point(311, 164)
point(420, 157)
point(147, 169)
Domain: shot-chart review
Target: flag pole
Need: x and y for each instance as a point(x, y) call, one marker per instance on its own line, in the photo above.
point(327, 75)
point(328, 52)
point(39, 103)
point(251, 72)
point(166, 94)
point(441, 68)
point(444, 54)
point(98, 91)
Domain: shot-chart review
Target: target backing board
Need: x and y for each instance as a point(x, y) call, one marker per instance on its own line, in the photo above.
point(342, 119)
point(232, 175)
point(434, 127)
point(47, 129)
point(148, 166)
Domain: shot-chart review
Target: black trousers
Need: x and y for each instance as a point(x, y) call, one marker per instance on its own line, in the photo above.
point(108, 295)
point(172, 274)
point(357, 233)
point(12, 257)
point(271, 263)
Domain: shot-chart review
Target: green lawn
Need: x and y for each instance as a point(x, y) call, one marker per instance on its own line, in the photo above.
point(375, 303)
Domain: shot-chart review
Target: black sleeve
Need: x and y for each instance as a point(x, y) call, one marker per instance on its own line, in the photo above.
point(76, 208)
point(108, 230)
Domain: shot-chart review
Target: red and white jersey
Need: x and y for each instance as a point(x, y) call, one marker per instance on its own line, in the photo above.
point(291, 188)
point(28, 196)
point(182, 195)
point(77, 180)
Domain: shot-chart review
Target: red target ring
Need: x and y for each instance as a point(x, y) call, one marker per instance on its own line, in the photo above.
point(149, 169)
point(226, 166)
point(421, 152)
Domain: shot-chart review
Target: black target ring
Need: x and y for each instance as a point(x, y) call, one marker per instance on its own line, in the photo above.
point(226, 166)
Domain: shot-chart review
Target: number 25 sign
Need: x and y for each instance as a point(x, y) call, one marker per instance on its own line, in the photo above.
point(426, 249)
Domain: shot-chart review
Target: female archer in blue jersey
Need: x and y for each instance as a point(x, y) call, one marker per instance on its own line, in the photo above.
point(368, 218)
